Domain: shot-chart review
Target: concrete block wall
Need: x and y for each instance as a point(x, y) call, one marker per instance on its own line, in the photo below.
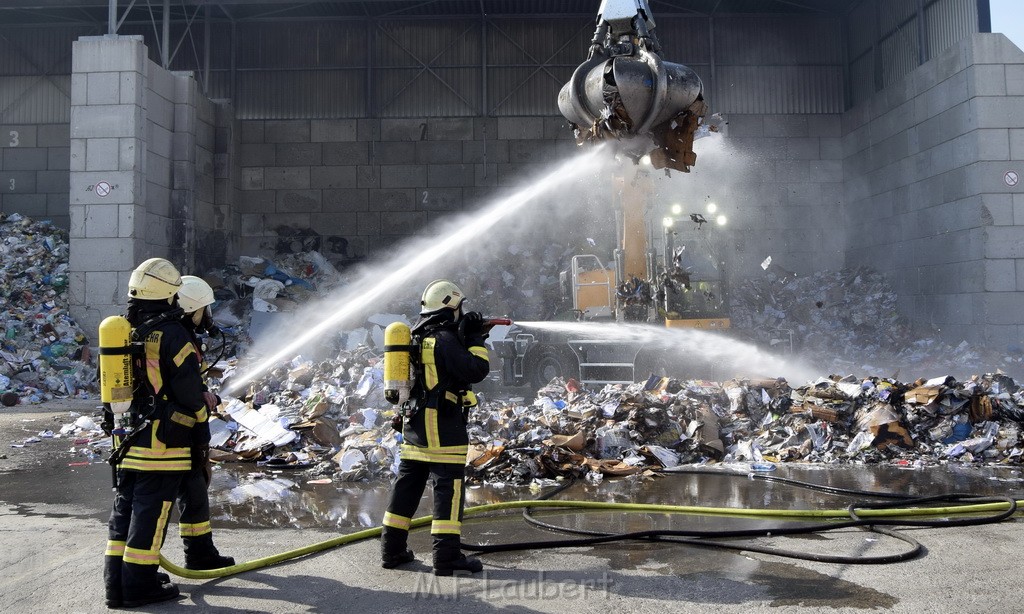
point(160, 140)
point(34, 166)
point(779, 181)
point(142, 170)
point(218, 235)
point(192, 183)
point(108, 201)
point(925, 164)
point(352, 187)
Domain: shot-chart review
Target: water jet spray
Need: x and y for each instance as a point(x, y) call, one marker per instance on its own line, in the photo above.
point(414, 257)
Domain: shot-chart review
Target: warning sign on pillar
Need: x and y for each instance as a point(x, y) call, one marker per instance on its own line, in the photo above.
point(1011, 178)
point(102, 189)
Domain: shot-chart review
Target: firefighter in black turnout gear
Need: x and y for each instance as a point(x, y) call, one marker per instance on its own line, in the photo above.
point(435, 442)
point(154, 440)
point(194, 297)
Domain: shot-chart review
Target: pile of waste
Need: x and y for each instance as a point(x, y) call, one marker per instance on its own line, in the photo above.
point(623, 430)
point(87, 440)
point(264, 286)
point(328, 417)
point(848, 321)
point(328, 420)
point(43, 352)
point(528, 290)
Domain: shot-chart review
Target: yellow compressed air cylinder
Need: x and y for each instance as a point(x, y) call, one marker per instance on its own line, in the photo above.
point(397, 375)
point(116, 363)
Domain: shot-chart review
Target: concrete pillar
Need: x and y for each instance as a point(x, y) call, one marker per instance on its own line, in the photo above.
point(108, 161)
point(183, 174)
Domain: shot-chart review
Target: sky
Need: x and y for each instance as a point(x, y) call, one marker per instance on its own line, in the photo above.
point(1008, 18)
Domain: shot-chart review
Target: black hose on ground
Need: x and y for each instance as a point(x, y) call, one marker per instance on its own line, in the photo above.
point(700, 538)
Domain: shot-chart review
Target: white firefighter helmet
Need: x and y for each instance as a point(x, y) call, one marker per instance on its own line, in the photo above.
point(440, 294)
point(194, 294)
point(153, 280)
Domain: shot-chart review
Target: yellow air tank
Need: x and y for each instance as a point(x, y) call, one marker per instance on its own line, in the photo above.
point(397, 358)
point(116, 363)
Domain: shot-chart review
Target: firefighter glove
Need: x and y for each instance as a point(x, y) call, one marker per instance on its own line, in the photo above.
point(471, 325)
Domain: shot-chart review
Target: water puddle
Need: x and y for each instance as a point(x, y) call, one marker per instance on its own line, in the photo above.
point(243, 496)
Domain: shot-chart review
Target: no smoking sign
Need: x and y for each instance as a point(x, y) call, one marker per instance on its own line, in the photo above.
point(102, 188)
point(1011, 178)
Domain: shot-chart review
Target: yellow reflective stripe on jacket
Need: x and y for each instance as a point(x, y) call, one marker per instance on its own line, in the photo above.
point(202, 415)
point(157, 457)
point(451, 396)
point(156, 380)
point(115, 548)
point(183, 420)
point(429, 363)
point(480, 352)
point(184, 353)
point(397, 522)
point(450, 456)
point(194, 529)
point(165, 453)
point(449, 527)
point(135, 464)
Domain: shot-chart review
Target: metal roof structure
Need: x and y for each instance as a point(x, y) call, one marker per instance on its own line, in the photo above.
point(404, 58)
point(13, 12)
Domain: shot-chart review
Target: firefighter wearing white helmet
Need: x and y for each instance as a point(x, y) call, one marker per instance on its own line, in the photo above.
point(154, 279)
point(439, 295)
point(195, 297)
point(452, 357)
point(153, 446)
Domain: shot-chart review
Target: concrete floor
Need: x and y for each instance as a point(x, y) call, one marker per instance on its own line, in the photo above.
point(51, 550)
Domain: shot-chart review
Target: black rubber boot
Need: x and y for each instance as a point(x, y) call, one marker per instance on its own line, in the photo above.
point(166, 592)
point(200, 553)
point(112, 580)
point(393, 549)
point(142, 584)
point(448, 557)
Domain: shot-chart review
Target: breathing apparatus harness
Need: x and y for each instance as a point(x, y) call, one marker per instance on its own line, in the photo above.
point(404, 373)
point(213, 331)
point(139, 415)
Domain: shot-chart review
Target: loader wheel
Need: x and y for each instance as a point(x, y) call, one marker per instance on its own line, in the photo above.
point(549, 363)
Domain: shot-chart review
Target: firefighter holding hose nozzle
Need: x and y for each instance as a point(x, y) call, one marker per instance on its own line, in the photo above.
point(195, 297)
point(429, 372)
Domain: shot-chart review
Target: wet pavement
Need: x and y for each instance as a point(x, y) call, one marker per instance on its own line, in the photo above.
point(245, 496)
point(53, 511)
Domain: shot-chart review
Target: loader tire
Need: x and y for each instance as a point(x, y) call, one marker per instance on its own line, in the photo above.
point(549, 363)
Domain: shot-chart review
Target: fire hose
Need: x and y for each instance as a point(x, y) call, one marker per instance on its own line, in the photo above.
point(869, 515)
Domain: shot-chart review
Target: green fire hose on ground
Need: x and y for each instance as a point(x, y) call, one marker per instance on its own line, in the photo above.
point(863, 515)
